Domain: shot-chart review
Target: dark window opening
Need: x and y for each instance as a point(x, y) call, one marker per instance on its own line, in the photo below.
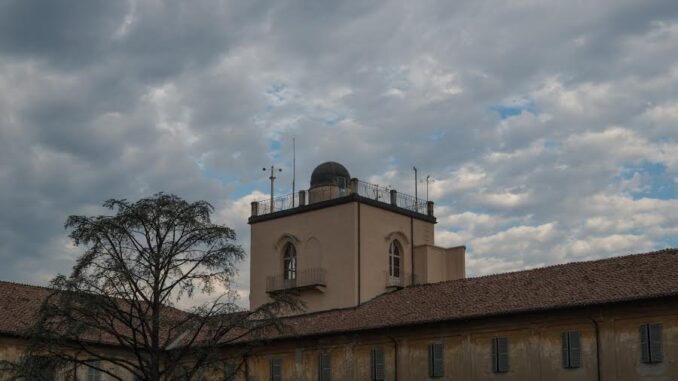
point(394, 256)
point(324, 369)
point(651, 343)
point(275, 369)
point(571, 349)
point(500, 360)
point(290, 262)
point(435, 360)
point(378, 373)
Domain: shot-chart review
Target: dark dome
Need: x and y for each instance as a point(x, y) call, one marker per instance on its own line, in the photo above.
point(330, 173)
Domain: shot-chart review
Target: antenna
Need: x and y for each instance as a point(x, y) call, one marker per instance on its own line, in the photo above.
point(272, 178)
point(294, 169)
point(416, 201)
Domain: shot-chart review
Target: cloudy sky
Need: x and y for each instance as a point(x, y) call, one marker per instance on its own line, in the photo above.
point(550, 127)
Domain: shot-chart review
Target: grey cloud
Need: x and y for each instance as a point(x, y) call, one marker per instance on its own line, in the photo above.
point(124, 99)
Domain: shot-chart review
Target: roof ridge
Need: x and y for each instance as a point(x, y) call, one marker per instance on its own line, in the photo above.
point(26, 285)
point(565, 264)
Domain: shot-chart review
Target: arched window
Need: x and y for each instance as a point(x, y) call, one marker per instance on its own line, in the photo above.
point(290, 262)
point(394, 256)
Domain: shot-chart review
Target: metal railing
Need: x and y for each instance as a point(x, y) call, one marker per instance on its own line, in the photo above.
point(374, 192)
point(288, 201)
point(361, 188)
point(303, 279)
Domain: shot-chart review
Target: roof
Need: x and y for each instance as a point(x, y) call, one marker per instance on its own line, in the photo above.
point(19, 304)
point(619, 279)
point(327, 173)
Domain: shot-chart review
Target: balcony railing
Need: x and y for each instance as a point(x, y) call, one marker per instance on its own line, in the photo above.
point(404, 280)
point(370, 191)
point(304, 279)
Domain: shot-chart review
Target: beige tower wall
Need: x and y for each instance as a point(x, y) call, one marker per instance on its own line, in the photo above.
point(324, 238)
point(436, 264)
point(377, 228)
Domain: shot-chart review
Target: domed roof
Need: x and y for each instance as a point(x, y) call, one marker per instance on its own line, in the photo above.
point(329, 173)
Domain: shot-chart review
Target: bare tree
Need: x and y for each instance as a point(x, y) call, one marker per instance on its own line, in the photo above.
point(117, 305)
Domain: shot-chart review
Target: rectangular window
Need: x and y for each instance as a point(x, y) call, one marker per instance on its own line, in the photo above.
point(324, 370)
point(93, 374)
point(41, 368)
point(651, 343)
point(229, 372)
point(500, 361)
point(378, 373)
point(276, 369)
point(571, 349)
point(435, 360)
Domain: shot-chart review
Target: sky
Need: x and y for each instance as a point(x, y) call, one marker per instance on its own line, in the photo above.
point(549, 128)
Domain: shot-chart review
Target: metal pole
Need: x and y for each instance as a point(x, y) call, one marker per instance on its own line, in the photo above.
point(427, 179)
point(416, 207)
point(294, 169)
point(272, 178)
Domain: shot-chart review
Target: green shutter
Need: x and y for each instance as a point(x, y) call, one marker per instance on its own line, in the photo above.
point(435, 353)
point(495, 363)
point(574, 339)
point(324, 370)
point(378, 373)
point(565, 338)
point(276, 369)
point(644, 344)
point(502, 355)
point(655, 335)
point(229, 372)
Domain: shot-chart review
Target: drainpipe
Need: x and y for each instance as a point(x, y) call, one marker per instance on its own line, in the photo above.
point(597, 329)
point(395, 358)
point(412, 249)
point(359, 244)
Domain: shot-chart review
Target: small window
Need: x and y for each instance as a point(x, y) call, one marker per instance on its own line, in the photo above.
point(651, 343)
point(571, 349)
point(275, 369)
point(40, 368)
point(324, 367)
point(435, 360)
point(93, 372)
point(500, 363)
point(378, 373)
point(290, 262)
point(394, 257)
point(230, 372)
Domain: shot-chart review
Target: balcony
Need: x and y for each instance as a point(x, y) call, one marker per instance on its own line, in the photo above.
point(404, 280)
point(309, 279)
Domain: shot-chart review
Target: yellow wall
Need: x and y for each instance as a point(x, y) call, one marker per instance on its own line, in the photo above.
point(534, 348)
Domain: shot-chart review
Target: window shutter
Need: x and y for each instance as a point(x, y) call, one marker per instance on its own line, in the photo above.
point(565, 337)
point(574, 339)
point(495, 361)
point(644, 344)
point(324, 370)
point(655, 334)
point(378, 373)
point(435, 360)
point(229, 372)
point(502, 355)
point(276, 370)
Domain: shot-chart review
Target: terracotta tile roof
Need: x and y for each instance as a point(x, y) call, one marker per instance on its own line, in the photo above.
point(19, 304)
point(633, 277)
